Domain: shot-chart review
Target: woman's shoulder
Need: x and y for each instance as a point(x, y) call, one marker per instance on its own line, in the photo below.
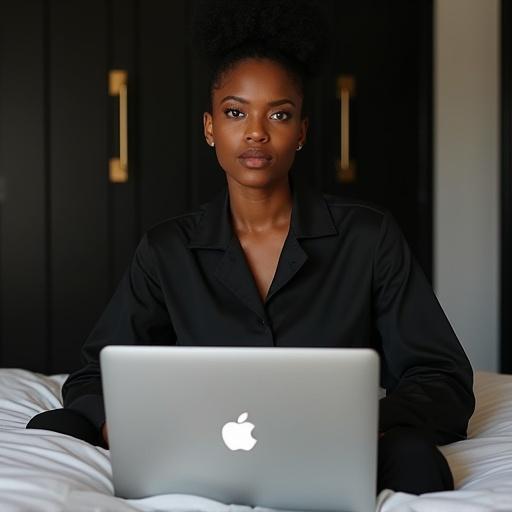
point(344, 204)
point(356, 214)
point(176, 228)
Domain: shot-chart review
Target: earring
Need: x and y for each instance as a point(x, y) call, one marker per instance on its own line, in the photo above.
point(299, 147)
point(212, 144)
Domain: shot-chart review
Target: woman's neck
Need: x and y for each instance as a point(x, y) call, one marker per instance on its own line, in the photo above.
point(259, 210)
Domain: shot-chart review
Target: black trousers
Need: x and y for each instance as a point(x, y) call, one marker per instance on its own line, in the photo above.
point(408, 460)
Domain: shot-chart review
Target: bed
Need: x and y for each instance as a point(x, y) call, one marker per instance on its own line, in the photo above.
point(47, 471)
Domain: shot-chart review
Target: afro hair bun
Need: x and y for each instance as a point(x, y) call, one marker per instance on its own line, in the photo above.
point(298, 29)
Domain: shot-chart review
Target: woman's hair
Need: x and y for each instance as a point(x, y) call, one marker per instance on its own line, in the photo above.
point(293, 33)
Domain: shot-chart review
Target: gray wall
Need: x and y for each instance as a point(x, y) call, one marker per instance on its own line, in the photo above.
point(466, 175)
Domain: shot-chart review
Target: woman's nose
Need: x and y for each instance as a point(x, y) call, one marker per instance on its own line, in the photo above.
point(256, 132)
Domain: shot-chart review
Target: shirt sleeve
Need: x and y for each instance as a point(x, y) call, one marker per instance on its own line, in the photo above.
point(428, 378)
point(136, 314)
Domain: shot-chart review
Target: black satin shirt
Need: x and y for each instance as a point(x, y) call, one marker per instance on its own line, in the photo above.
point(345, 278)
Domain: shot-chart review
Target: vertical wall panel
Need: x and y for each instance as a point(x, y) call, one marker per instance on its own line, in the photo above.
point(505, 184)
point(123, 221)
point(163, 114)
point(79, 179)
point(23, 329)
point(466, 223)
point(206, 174)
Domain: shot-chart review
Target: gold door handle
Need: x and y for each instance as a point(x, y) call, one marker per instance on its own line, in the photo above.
point(346, 167)
point(118, 86)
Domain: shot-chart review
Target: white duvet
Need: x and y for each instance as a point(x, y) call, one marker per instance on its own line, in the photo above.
point(47, 471)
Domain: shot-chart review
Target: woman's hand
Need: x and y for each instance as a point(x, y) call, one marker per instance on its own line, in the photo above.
point(104, 433)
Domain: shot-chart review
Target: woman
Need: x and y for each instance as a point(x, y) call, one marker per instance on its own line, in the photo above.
point(269, 263)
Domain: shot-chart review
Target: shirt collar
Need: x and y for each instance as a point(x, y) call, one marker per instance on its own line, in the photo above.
point(311, 218)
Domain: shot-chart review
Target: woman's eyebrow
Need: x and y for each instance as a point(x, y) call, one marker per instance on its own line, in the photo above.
point(271, 103)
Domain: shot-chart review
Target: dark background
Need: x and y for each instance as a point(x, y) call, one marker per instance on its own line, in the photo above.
point(67, 233)
point(506, 187)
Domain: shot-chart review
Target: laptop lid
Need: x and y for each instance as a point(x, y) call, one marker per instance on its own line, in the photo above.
point(284, 428)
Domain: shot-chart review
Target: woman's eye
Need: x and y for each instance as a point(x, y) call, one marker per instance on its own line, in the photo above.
point(235, 111)
point(283, 116)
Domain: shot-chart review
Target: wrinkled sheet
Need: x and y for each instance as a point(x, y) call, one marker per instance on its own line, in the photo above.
point(47, 471)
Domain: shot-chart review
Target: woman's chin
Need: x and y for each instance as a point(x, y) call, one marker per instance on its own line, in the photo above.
point(260, 178)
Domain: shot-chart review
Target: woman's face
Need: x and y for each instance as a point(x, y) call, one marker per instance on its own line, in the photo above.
point(256, 113)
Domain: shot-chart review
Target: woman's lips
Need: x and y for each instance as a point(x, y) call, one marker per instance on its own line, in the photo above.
point(255, 163)
point(255, 158)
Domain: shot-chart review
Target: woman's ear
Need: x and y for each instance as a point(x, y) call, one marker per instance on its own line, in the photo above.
point(303, 130)
point(208, 127)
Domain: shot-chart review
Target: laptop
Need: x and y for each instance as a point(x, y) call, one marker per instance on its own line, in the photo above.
point(282, 428)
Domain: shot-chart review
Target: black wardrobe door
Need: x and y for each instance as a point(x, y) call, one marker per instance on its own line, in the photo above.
point(386, 47)
point(23, 248)
point(79, 175)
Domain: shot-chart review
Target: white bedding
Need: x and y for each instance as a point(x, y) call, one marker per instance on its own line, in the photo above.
point(47, 471)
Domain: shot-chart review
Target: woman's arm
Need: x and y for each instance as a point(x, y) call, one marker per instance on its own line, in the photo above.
point(136, 314)
point(425, 370)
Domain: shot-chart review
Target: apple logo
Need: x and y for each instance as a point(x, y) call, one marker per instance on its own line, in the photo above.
point(237, 436)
